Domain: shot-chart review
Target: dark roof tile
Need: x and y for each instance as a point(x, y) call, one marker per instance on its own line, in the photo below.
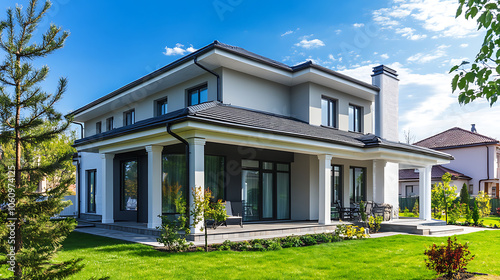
point(437, 173)
point(455, 138)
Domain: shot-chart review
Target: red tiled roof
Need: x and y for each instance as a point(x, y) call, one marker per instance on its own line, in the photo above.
point(437, 173)
point(454, 138)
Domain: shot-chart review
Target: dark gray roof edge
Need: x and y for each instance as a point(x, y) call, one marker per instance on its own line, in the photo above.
point(465, 146)
point(145, 78)
point(406, 147)
point(310, 64)
point(216, 44)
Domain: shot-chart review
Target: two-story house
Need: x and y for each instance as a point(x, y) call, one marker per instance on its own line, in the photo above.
point(477, 159)
point(279, 142)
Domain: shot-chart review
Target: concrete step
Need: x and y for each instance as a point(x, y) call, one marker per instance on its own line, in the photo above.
point(247, 234)
point(415, 226)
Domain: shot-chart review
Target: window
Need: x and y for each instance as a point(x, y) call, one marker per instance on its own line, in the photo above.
point(265, 190)
point(357, 186)
point(355, 118)
point(129, 117)
point(409, 191)
point(471, 188)
point(161, 107)
point(110, 124)
point(328, 112)
point(174, 179)
point(198, 95)
point(128, 185)
point(98, 127)
point(91, 180)
point(336, 185)
point(214, 176)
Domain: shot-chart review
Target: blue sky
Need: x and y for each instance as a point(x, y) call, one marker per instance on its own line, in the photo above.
point(115, 42)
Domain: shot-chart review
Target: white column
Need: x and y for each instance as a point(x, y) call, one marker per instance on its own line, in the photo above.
point(154, 185)
point(325, 189)
point(196, 171)
point(425, 193)
point(107, 188)
point(77, 188)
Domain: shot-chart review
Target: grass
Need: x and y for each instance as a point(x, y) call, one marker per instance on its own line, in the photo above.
point(395, 257)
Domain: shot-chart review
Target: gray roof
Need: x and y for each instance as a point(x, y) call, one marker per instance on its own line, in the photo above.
point(456, 137)
point(437, 173)
point(227, 115)
point(233, 49)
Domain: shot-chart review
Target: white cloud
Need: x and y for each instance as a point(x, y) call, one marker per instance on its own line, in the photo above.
point(310, 44)
point(439, 52)
point(287, 33)
point(384, 56)
point(437, 16)
point(427, 105)
point(464, 45)
point(338, 31)
point(408, 32)
point(178, 50)
point(358, 25)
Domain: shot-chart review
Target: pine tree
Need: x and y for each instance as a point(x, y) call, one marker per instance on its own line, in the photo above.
point(30, 239)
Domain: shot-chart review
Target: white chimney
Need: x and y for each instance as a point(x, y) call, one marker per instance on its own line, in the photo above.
point(386, 102)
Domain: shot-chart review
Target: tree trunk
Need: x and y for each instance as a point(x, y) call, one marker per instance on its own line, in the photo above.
point(18, 240)
point(206, 234)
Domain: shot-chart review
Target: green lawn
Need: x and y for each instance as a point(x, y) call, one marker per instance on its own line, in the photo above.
point(395, 257)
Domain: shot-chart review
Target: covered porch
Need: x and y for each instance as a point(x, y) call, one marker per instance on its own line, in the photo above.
point(271, 168)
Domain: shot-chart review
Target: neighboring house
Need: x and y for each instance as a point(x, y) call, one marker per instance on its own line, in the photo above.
point(279, 142)
point(475, 155)
point(408, 179)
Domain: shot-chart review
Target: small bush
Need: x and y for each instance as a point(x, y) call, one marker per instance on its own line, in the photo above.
point(475, 214)
point(448, 259)
point(350, 232)
point(291, 241)
point(374, 223)
point(415, 208)
point(274, 245)
point(483, 204)
point(258, 247)
point(308, 240)
point(498, 211)
point(244, 246)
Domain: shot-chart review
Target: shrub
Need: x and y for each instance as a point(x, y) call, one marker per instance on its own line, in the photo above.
point(244, 246)
point(323, 237)
point(498, 211)
point(291, 241)
point(448, 259)
point(169, 230)
point(374, 223)
point(350, 232)
point(483, 204)
point(454, 213)
point(274, 245)
point(258, 247)
point(415, 208)
point(475, 214)
point(308, 240)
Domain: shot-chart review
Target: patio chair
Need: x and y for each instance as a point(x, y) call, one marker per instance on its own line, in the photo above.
point(230, 217)
point(344, 213)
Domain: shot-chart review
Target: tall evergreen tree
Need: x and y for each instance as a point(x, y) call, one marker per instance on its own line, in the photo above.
point(30, 238)
point(464, 194)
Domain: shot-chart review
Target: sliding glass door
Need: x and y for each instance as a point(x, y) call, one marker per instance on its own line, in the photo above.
point(265, 190)
point(128, 186)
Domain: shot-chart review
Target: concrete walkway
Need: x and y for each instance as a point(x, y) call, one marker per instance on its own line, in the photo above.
point(151, 240)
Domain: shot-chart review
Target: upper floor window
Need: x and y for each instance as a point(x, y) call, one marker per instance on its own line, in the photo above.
point(98, 127)
point(328, 112)
point(161, 107)
point(198, 95)
point(129, 117)
point(110, 123)
point(355, 113)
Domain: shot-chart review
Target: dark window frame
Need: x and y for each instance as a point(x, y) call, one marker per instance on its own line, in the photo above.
point(89, 209)
point(341, 192)
point(110, 123)
point(357, 113)
point(98, 127)
point(275, 172)
point(122, 186)
point(353, 184)
point(159, 104)
point(197, 89)
point(332, 117)
point(125, 117)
